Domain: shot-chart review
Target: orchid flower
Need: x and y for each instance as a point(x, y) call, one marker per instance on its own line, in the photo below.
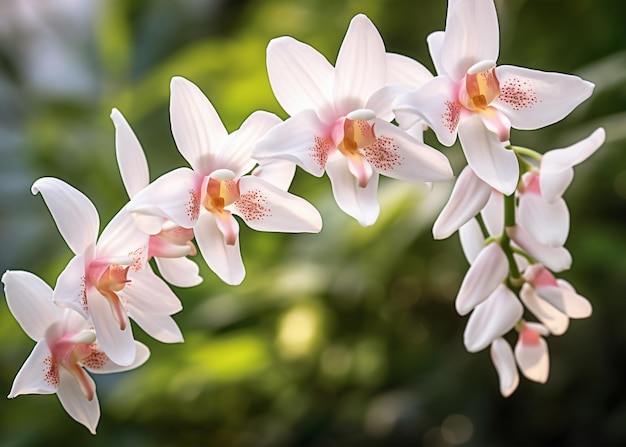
point(66, 346)
point(480, 102)
point(340, 117)
point(205, 197)
point(169, 244)
point(108, 279)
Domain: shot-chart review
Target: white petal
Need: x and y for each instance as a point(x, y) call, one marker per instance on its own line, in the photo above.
point(180, 272)
point(382, 101)
point(147, 293)
point(398, 155)
point(265, 207)
point(300, 76)
point(130, 156)
point(76, 217)
point(533, 99)
point(472, 240)
point(471, 35)
point(504, 362)
point(483, 277)
point(30, 301)
point(402, 70)
point(103, 365)
point(493, 213)
point(533, 360)
point(235, 153)
point(357, 202)
point(196, 126)
point(486, 154)
point(224, 260)
point(556, 321)
point(279, 173)
point(160, 327)
point(361, 66)
point(492, 318)
point(469, 195)
point(31, 378)
point(302, 139)
point(76, 404)
point(547, 222)
point(435, 44)
point(122, 237)
point(556, 173)
point(566, 299)
point(556, 259)
point(70, 290)
point(175, 195)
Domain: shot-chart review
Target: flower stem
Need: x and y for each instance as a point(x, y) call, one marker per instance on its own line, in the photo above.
point(505, 240)
point(525, 151)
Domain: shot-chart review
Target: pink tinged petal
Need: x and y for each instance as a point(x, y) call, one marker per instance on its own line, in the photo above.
point(575, 305)
point(489, 270)
point(196, 126)
point(436, 103)
point(160, 327)
point(471, 35)
point(130, 156)
point(99, 363)
point(75, 215)
point(235, 152)
point(404, 71)
point(30, 301)
point(300, 76)
point(279, 173)
point(504, 362)
point(82, 410)
point(533, 99)
point(180, 272)
point(147, 293)
point(497, 123)
point(361, 66)
point(265, 207)
point(487, 156)
point(493, 213)
point(469, 195)
point(225, 260)
point(531, 353)
point(116, 343)
point(38, 375)
point(359, 203)
point(396, 154)
point(556, 321)
point(492, 318)
point(302, 139)
point(556, 173)
point(70, 290)
point(435, 44)
point(472, 240)
point(175, 195)
point(556, 259)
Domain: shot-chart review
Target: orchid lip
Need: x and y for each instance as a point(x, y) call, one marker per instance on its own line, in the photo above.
point(222, 174)
point(85, 336)
point(481, 66)
point(361, 114)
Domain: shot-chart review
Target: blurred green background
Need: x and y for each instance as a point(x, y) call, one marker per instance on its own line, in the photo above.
point(346, 338)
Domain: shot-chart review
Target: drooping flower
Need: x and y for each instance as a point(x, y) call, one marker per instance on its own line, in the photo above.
point(340, 117)
point(108, 280)
point(66, 346)
point(481, 102)
point(205, 197)
point(169, 244)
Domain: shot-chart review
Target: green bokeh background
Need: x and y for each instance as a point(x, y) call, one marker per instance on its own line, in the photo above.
point(345, 338)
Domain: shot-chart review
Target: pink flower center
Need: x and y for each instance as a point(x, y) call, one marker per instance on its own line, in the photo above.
point(172, 242)
point(479, 87)
point(109, 276)
point(220, 189)
point(351, 136)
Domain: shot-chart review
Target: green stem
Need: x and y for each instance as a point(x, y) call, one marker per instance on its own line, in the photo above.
point(483, 227)
point(525, 151)
point(505, 240)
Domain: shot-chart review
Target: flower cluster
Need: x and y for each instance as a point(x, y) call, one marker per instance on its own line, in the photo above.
point(359, 119)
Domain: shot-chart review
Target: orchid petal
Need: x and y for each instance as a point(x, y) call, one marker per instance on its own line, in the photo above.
point(361, 66)
point(492, 213)
point(32, 377)
point(116, 343)
point(504, 362)
point(533, 360)
point(556, 321)
point(471, 35)
point(300, 76)
point(225, 260)
point(357, 202)
point(556, 259)
point(487, 272)
point(302, 139)
point(556, 173)
point(86, 412)
point(469, 195)
point(196, 126)
point(265, 207)
point(547, 222)
point(130, 156)
point(70, 290)
point(175, 195)
point(104, 365)
point(147, 293)
point(404, 71)
point(160, 327)
point(279, 173)
point(435, 44)
point(533, 99)
point(180, 272)
point(76, 217)
point(382, 101)
point(30, 301)
point(122, 237)
point(565, 299)
point(472, 240)
point(492, 318)
point(487, 156)
point(398, 155)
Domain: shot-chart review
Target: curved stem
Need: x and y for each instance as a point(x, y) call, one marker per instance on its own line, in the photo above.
point(505, 241)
